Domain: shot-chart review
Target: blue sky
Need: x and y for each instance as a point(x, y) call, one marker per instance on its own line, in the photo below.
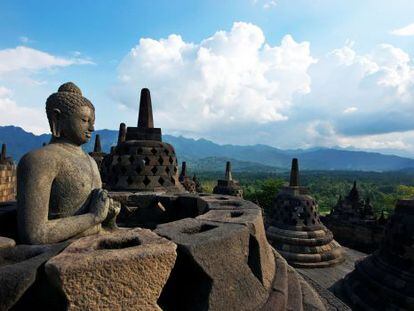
point(292, 74)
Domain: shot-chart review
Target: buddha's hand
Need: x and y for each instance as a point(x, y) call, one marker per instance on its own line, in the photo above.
point(114, 209)
point(100, 204)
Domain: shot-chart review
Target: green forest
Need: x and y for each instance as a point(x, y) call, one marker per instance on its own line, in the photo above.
point(383, 189)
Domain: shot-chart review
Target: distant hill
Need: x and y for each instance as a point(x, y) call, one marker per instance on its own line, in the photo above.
point(204, 155)
point(218, 164)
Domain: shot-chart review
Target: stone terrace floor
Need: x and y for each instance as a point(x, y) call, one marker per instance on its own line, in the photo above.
point(325, 280)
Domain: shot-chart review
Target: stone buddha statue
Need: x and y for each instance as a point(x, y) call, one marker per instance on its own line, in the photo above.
point(59, 191)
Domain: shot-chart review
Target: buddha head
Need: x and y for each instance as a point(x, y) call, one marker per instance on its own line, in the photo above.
point(71, 116)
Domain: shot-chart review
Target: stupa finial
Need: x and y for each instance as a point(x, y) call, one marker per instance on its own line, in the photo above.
point(228, 175)
point(121, 133)
point(3, 152)
point(97, 147)
point(145, 119)
point(183, 171)
point(294, 173)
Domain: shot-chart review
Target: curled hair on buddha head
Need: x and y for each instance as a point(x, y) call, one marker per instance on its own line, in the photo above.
point(66, 101)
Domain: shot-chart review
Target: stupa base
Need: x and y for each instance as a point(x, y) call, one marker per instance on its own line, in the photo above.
point(306, 249)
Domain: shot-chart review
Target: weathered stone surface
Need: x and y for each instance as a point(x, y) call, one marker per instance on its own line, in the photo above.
point(124, 270)
point(197, 183)
point(363, 236)
point(310, 298)
point(325, 280)
point(353, 207)
point(221, 202)
point(327, 297)
point(262, 253)
point(59, 186)
point(97, 153)
point(6, 242)
point(354, 224)
point(147, 209)
point(289, 291)
point(227, 185)
point(214, 269)
point(19, 268)
point(7, 177)
point(385, 279)
point(141, 161)
point(188, 183)
point(296, 230)
point(223, 261)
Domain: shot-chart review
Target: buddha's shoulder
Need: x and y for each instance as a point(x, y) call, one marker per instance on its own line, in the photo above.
point(48, 155)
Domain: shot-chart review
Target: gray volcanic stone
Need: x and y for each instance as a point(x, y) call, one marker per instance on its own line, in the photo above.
point(228, 185)
point(6, 242)
point(141, 161)
point(261, 253)
point(97, 154)
point(221, 202)
point(213, 271)
point(19, 269)
point(7, 177)
point(124, 270)
point(310, 298)
point(289, 291)
point(59, 188)
point(384, 280)
point(296, 230)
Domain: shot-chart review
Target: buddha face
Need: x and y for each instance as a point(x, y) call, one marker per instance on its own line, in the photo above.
point(78, 126)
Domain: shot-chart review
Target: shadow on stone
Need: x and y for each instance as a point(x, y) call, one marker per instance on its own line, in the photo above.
point(41, 296)
point(188, 287)
point(254, 258)
point(236, 214)
point(199, 229)
point(118, 244)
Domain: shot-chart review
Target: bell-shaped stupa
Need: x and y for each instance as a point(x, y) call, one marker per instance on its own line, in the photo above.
point(188, 184)
point(141, 161)
point(295, 228)
point(385, 279)
point(198, 186)
point(228, 185)
point(97, 154)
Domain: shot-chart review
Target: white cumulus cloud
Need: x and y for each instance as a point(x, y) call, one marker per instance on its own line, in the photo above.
point(350, 110)
point(404, 31)
point(229, 79)
point(20, 67)
point(235, 87)
point(377, 87)
point(25, 58)
point(269, 4)
point(30, 119)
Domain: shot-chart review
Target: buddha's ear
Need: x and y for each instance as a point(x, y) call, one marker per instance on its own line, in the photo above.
point(56, 122)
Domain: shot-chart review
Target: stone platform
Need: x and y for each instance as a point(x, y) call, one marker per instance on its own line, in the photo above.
point(201, 252)
point(363, 236)
point(385, 279)
point(328, 281)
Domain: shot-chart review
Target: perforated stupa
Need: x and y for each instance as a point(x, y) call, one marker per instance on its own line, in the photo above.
point(295, 228)
point(141, 161)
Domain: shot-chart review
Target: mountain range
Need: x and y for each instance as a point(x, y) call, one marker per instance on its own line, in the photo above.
point(205, 155)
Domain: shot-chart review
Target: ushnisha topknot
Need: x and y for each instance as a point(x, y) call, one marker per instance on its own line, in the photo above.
point(70, 87)
point(67, 99)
